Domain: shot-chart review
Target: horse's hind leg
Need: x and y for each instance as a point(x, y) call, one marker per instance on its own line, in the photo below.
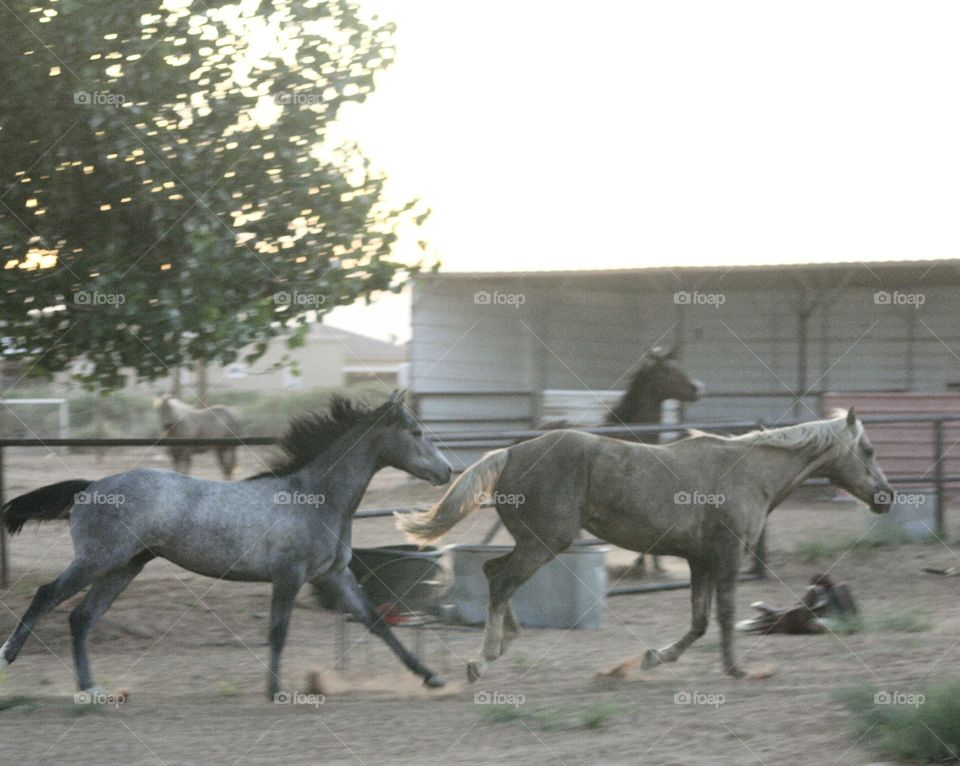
point(701, 594)
point(94, 605)
point(74, 578)
point(505, 575)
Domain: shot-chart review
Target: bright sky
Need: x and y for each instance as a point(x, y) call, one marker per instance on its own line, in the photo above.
point(559, 135)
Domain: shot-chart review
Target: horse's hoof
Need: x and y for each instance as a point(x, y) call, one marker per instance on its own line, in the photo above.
point(433, 681)
point(473, 671)
point(736, 673)
point(651, 658)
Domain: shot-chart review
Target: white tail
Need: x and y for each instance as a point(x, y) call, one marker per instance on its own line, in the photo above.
point(465, 495)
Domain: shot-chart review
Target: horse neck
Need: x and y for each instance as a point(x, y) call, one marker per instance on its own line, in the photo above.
point(638, 405)
point(343, 471)
point(777, 471)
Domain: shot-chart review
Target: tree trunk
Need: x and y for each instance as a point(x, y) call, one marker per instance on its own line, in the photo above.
point(202, 385)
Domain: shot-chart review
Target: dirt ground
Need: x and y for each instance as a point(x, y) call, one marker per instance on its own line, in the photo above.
point(191, 653)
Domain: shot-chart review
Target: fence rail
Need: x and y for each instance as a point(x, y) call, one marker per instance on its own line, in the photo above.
point(936, 476)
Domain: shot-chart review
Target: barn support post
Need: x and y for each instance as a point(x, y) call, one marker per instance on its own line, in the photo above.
point(940, 493)
point(803, 328)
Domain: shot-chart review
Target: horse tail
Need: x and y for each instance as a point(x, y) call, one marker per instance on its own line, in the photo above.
point(465, 495)
point(45, 504)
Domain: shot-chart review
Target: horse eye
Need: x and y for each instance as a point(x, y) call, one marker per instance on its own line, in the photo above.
point(417, 432)
point(868, 451)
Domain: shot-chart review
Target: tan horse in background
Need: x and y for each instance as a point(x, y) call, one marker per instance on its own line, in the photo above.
point(181, 421)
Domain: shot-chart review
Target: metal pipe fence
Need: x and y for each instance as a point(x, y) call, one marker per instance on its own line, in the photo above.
point(936, 477)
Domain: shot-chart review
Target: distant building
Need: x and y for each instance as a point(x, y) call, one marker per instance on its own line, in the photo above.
point(329, 357)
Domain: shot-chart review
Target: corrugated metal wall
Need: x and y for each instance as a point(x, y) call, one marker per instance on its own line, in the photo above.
point(484, 347)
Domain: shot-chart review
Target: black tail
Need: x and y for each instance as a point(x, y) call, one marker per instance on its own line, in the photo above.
point(51, 502)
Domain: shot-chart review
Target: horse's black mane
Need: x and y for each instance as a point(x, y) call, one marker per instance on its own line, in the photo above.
point(311, 434)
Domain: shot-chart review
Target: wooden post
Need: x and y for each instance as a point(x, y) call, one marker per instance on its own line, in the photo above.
point(4, 564)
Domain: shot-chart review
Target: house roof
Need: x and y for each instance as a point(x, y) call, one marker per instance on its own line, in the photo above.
point(357, 346)
point(870, 273)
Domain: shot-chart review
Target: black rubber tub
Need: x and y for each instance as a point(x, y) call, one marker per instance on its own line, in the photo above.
point(398, 579)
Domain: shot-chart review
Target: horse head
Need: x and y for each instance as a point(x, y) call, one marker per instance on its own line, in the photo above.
point(657, 379)
point(852, 465)
point(403, 444)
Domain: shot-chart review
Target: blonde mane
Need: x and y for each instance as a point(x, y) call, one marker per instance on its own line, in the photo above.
point(819, 435)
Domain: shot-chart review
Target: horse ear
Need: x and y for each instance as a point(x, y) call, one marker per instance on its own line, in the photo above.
point(851, 418)
point(397, 396)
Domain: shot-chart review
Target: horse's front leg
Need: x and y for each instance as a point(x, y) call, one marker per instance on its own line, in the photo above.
point(701, 594)
point(281, 605)
point(354, 600)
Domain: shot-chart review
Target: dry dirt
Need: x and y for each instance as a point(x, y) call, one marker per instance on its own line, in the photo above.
point(191, 653)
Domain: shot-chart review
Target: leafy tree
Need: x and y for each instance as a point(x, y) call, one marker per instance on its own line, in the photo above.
point(168, 194)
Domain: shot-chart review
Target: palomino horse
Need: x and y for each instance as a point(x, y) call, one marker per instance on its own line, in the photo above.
point(181, 421)
point(287, 526)
point(704, 498)
point(656, 380)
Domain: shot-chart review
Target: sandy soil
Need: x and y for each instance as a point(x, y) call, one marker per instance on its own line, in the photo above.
point(191, 653)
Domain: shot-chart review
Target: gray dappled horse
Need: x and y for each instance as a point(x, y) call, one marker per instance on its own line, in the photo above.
point(704, 498)
point(181, 421)
point(286, 526)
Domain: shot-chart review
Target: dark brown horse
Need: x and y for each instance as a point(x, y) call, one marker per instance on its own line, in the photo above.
point(656, 380)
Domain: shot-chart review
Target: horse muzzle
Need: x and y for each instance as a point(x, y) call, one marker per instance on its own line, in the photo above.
point(882, 499)
point(439, 479)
